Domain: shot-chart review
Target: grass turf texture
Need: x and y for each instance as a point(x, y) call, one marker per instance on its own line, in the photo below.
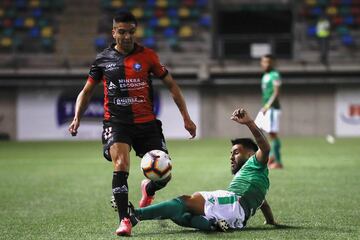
point(61, 190)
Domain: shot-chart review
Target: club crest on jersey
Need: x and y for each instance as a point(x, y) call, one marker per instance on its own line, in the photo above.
point(137, 67)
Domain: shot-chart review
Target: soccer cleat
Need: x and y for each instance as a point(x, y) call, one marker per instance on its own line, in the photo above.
point(133, 218)
point(113, 203)
point(222, 225)
point(145, 200)
point(124, 228)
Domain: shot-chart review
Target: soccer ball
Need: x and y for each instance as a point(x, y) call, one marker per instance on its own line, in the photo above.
point(156, 165)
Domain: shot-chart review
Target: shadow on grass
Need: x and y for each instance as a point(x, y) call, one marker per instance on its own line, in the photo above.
point(271, 228)
point(189, 231)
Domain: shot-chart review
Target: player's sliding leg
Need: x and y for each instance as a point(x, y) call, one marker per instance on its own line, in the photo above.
point(148, 189)
point(185, 220)
point(174, 208)
point(120, 156)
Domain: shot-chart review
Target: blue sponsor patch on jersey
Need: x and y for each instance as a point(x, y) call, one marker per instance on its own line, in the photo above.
point(137, 67)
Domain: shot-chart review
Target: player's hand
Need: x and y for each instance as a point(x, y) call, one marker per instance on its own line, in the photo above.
point(273, 223)
point(73, 127)
point(190, 127)
point(264, 110)
point(241, 116)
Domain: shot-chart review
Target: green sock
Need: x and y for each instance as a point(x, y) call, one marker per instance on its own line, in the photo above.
point(189, 220)
point(174, 208)
point(201, 223)
point(183, 220)
point(275, 149)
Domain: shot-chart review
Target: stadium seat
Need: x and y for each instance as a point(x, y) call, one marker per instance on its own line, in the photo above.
point(138, 13)
point(162, 3)
point(47, 32)
point(331, 11)
point(184, 12)
point(310, 2)
point(205, 21)
point(34, 32)
point(116, 3)
point(311, 31)
point(153, 22)
point(349, 20)
point(201, 3)
point(172, 12)
point(164, 22)
point(150, 3)
point(37, 12)
point(169, 21)
point(19, 22)
point(100, 43)
point(185, 32)
point(140, 32)
point(6, 42)
point(169, 32)
point(316, 11)
point(29, 22)
point(149, 42)
point(347, 40)
point(342, 30)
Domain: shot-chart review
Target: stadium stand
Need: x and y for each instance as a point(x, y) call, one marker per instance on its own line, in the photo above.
point(344, 16)
point(169, 26)
point(61, 34)
point(29, 26)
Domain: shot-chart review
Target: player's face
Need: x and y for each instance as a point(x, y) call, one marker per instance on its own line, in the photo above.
point(239, 155)
point(124, 35)
point(266, 63)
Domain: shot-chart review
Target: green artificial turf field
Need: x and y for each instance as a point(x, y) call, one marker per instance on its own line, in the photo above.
point(61, 190)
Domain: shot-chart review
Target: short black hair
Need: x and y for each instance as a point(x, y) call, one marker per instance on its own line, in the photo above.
point(247, 143)
point(124, 16)
point(269, 56)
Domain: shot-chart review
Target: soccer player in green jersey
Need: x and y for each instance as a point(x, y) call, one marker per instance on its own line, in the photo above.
point(268, 118)
point(223, 209)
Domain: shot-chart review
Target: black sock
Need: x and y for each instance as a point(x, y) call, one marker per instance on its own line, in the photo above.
point(120, 192)
point(152, 186)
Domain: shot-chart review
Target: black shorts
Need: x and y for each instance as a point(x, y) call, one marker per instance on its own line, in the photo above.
point(143, 137)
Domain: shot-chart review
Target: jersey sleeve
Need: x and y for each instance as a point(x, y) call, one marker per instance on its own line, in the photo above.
point(277, 79)
point(95, 73)
point(256, 164)
point(158, 69)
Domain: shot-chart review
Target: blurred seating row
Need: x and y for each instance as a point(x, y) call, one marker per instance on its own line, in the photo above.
point(160, 21)
point(343, 15)
point(29, 25)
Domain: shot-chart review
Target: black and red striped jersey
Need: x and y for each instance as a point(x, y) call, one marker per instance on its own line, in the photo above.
point(128, 91)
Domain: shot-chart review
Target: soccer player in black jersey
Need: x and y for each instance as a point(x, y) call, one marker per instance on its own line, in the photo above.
point(129, 119)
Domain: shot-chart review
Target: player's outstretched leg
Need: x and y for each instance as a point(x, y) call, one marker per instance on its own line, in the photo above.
point(148, 189)
point(120, 193)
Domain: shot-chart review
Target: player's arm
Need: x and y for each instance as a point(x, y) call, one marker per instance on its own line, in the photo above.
point(266, 210)
point(180, 102)
point(82, 102)
point(274, 96)
point(241, 116)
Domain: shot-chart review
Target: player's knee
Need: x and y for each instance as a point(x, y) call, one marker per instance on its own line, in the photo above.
point(185, 199)
point(121, 164)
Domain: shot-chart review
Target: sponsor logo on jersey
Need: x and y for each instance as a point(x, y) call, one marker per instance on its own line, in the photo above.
point(112, 86)
point(126, 101)
point(110, 67)
point(132, 83)
point(137, 67)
